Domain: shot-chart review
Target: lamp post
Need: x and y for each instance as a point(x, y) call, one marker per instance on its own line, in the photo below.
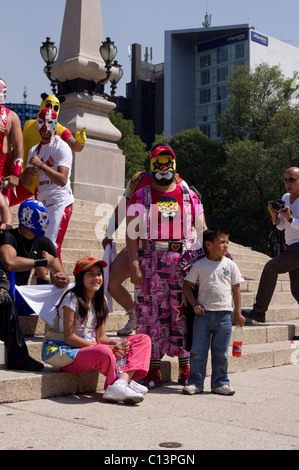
point(108, 52)
point(48, 51)
point(119, 75)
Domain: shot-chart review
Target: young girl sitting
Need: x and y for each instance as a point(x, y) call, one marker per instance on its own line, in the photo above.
point(82, 318)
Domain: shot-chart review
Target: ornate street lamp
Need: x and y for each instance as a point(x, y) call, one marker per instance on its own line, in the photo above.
point(48, 51)
point(119, 75)
point(108, 52)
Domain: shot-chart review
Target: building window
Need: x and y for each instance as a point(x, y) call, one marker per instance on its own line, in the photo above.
point(222, 74)
point(205, 96)
point(205, 77)
point(220, 108)
point(205, 61)
point(237, 64)
point(202, 113)
point(240, 51)
point(206, 129)
point(221, 92)
point(222, 55)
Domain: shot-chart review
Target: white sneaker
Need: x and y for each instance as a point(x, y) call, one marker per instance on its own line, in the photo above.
point(224, 390)
point(120, 392)
point(192, 389)
point(137, 387)
point(130, 326)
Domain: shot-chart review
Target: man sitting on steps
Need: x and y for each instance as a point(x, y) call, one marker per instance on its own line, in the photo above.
point(287, 219)
point(21, 250)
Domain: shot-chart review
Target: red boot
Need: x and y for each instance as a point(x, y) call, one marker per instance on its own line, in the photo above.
point(153, 378)
point(183, 374)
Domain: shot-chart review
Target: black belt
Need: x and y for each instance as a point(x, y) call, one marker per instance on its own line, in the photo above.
point(174, 246)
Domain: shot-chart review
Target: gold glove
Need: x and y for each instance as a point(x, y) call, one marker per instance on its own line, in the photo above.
point(81, 136)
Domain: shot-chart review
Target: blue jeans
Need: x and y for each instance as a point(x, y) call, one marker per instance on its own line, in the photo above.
point(215, 329)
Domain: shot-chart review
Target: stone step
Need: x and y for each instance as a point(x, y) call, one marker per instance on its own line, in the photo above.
point(251, 255)
point(83, 243)
point(281, 313)
point(23, 386)
point(250, 268)
point(265, 345)
point(278, 298)
point(252, 286)
point(34, 326)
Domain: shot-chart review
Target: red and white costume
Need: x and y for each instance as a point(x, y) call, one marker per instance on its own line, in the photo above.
point(57, 199)
point(7, 167)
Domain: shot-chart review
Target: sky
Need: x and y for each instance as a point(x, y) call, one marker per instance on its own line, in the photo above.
point(26, 24)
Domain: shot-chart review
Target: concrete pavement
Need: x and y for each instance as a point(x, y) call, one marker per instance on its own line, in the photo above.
point(262, 415)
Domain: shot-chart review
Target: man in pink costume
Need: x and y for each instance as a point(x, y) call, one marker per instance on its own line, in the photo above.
point(11, 162)
point(160, 222)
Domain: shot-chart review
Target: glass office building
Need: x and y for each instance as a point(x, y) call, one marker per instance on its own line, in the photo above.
point(24, 111)
point(214, 59)
point(197, 64)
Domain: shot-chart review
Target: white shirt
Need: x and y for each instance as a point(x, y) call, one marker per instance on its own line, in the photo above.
point(291, 233)
point(55, 154)
point(215, 279)
point(89, 324)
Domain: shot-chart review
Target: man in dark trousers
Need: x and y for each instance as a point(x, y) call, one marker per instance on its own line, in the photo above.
point(21, 250)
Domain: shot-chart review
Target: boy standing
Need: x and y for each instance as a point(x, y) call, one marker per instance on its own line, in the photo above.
point(218, 296)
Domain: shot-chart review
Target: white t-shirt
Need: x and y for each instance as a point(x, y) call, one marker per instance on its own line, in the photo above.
point(215, 279)
point(55, 154)
point(87, 327)
point(291, 233)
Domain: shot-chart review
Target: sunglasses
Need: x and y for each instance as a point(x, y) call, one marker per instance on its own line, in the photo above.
point(290, 180)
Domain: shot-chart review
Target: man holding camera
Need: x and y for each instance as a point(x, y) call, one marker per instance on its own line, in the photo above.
point(287, 219)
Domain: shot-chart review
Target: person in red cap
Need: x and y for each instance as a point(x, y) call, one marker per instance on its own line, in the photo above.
point(160, 222)
point(10, 135)
point(120, 266)
point(82, 314)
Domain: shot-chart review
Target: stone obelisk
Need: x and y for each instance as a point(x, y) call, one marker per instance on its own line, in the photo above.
point(98, 171)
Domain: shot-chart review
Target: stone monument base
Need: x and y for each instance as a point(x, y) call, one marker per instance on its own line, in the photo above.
point(98, 172)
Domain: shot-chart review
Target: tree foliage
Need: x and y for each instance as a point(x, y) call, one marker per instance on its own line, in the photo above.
point(131, 145)
point(238, 176)
point(255, 98)
point(200, 162)
point(260, 130)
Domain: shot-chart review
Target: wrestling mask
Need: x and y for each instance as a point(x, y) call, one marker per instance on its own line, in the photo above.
point(50, 102)
point(3, 90)
point(163, 164)
point(34, 216)
point(47, 119)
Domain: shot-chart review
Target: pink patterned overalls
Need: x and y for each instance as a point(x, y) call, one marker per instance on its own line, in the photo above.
point(159, 302)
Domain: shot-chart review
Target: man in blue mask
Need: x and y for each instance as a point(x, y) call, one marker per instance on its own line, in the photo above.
point(21, 250)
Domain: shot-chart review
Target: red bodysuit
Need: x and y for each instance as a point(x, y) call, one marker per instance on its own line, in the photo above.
point(6, 165)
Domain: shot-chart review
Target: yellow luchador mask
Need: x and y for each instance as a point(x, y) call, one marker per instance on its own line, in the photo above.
point(51, 102)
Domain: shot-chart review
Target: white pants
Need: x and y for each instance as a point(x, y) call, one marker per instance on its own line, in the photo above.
point(55, 213)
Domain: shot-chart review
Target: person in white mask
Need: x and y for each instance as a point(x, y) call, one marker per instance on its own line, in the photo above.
point(11, 146)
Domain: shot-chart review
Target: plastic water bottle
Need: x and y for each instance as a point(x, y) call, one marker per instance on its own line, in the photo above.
point(120, 361)
point(238, 341)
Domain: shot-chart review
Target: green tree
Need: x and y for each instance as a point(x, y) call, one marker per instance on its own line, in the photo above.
point(255, 97)
point(200, 162)
point(260, 128)
point(131, 145)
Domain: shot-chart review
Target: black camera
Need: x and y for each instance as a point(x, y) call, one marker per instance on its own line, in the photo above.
point(278, 205)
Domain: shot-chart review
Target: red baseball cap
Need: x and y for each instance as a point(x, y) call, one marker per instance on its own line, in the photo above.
point(83, 264)
point(161, 148)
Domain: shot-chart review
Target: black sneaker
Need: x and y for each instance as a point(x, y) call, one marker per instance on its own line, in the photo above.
point(254, 315)
point(31, 365)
